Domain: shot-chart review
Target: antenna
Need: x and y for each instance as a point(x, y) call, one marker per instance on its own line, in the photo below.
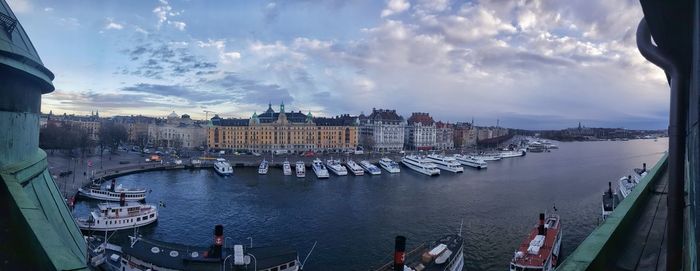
point(206, 114)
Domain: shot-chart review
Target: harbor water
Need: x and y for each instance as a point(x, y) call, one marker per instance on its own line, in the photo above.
point(355, 219)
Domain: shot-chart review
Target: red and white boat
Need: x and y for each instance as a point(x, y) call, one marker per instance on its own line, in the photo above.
point(540, 250)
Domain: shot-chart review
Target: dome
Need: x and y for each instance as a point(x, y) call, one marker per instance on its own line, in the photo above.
point(172, 115)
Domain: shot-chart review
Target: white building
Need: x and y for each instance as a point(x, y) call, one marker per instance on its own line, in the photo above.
point(420, 132)
point(177, 132)
point(444, 136)
point(383, 130)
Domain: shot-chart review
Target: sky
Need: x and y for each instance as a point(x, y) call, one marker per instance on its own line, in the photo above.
point(533, 64)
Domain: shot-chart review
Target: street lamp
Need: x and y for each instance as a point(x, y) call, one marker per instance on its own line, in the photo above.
point(223, 267)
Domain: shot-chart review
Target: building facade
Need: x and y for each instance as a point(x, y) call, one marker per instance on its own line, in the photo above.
point(90, 124)
point(464, 135)
point(177, 132)
point(283, 132)
point(420, 132)
point(383, 130)
point(444, 136)
point(136, 127)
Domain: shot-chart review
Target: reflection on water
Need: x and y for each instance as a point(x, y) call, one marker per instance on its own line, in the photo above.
point(354, 219)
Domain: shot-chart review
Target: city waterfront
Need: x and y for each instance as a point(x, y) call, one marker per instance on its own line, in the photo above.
point(354, 219)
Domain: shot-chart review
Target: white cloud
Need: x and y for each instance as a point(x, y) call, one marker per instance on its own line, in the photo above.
point(20, 6)
point(395, 7)
point(111, 24)
point(164, 12)
point(48, 9)
point(179, 25)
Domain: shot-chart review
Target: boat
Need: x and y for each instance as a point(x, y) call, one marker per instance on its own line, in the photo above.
point(222, 167)
point(335, 167)
point(625, 185)
point(511, 154)
point(119, 216)
point(540, 250)
point(286, 168)
point(138, 253)
point(470, 161)
point(264, 166)
point(389, 165)
point(300, 169)
point(112, 193)
point(355, 168)
point(319, 169)
point(488, 157)
point(536, 146)
point(641, 172)
point(446, 163)
point(370, 168)
point(610, 202)
point(445, 253)
point(420, 165)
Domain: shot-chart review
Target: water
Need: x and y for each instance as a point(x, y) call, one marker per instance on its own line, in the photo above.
point(355, 219)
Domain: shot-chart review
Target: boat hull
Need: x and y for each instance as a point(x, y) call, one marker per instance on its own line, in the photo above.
point(421, 170)
point(112, 196)
point(389, 168)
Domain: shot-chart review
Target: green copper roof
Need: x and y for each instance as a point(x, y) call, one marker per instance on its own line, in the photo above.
point(17, 51)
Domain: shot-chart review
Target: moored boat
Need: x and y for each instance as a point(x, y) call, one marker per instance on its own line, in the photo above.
point(471, 161)
point(540, 250)
point(625, 185)
point(264, 166)
point(112, 192)
point(389, 165)
point(488, 157)
point(119, 216)
point(446, 163)
point(511, 154)
point(300, 169)
point(420, 165)
point(444, 254)
point(370, 168)
point(355, 168)
point(609, 202)
point(222, 167)
point(319, 169)
point(335, 167)
point(286, 168)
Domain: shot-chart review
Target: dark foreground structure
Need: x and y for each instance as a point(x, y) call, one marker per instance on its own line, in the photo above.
point(656, 228)
point(37, 231)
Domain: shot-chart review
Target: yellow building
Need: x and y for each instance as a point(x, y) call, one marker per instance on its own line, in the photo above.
point(283, 132)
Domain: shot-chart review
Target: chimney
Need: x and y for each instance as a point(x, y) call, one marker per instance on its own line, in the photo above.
point(629, 178)
point(540, 229)
point(610, 189)
point(644, 167)
point(399, 252)
point(122, 199)
point(113, 186)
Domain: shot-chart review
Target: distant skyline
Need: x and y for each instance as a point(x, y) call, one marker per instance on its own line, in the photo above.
point(530, 64)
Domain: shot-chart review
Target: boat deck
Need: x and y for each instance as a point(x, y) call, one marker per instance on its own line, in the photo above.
point(644, 246)
point(413, 257)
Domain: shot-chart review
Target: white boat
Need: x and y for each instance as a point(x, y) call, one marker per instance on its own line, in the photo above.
point(119, 216)
point(511, 154)
point(264, 166)
point(370, 168)
point(625, 185)
point(222, 167)
point(335, 167)
point(389, 165)
point(446, 163)
point(421, 165)
point(319, 169)
point(355, 168)
point(488, 157)
point(300, 169)
point(112, 193)
point(286, 168)
point(471, 161)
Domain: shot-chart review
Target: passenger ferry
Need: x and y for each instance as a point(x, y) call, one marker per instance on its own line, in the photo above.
point(625, 185)
point(286, 168)
point(112, 193)
point(540, 250)
point(335, 167)
point(470, 161)
point(511, 154)
point(370, 168)
point(420, 165)
point(389, 165)
point(138, 253)
point(446, 163)
point(444, 254)
point(300, 169)
point(264, 166)
point(119, 216)
point(536, 146)
point(610, 202)
point(319, 169)
point(222, 167)
point(355, 168)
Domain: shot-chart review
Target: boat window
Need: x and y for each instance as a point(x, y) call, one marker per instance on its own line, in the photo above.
point(145, 217)
point(273, 269)
point(152, 215)
point(292, 264)
point(138, 219)
point(282, 267)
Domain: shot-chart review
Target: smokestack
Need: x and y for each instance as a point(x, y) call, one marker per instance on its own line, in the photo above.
point(610, 189)
point(399, 252)
point(629, 178)
point(122, 199)
point(644, 167)
point(113, 186)
point(540, 229)
point(218, 241)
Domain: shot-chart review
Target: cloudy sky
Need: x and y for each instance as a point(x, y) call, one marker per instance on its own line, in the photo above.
point(530, 64)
